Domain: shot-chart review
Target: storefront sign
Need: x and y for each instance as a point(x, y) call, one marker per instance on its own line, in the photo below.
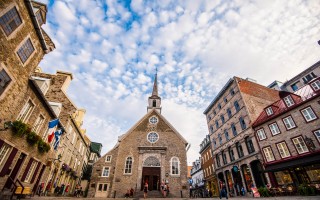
point(255, 192)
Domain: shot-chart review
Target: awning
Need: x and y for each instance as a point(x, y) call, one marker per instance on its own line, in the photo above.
point(300, 162)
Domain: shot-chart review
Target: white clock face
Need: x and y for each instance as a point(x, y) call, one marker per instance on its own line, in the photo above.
point(152, 137)
point(153, 120)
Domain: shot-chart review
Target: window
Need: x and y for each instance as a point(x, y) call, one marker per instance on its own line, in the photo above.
point(283, 150)
point(316, 85)
point(308, 114)
point(153, 120)
point(38, 124)
point(217, 124)
point(236, 105)
point(268, 154)
point(288, 100)
point(25, 51)
point(225, 99)
point(211, 129)
point(214, 143)
point(294, 86)
point(289, 123)
point(39, 18)
point(102, 187)
point(261, 134)
point(4, 80)
point(231, 91)
point(239, 150)
point(154, 103)
point(209, 118)
point(73, 137)
point(308, 77)
point(26, 111)
point(218, 160)
point(224, 157)
point(242, 123)
point(222, 119)
point(226, 134)
point(4, 153)
point(229, 113)
point(105, 172)
point(44, 87)
point(175, 168)
point(128, 167)
point(10, 21)
point(219, 106)
point(214, 112)
point(220, 138)
point(249, 144)
point(153, 137)
point(234, 130)
point(108, 158)
point(274, 129)
point(316, 133)
point(231, 154)
point(30, 172)
point(269, 111)
point(300, 145)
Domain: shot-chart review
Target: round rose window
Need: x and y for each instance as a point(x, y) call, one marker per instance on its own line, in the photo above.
point(153, 137)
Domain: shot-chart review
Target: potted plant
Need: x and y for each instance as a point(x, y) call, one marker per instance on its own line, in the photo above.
point(43, 146)
point(33, 138)
point(19, 128)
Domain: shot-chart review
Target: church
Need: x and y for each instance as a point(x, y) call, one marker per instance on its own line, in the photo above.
point(152, 152)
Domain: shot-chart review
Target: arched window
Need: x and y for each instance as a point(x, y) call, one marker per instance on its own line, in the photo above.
point(128, 167)
point(175, 166)
point(154, 103)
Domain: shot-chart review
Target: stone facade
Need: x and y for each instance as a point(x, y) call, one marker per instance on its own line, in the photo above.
point(20, 160)
point(235, 149)
point(291, 147)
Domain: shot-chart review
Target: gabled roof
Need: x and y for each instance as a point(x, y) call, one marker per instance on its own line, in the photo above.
point(145, 117)
point(279, 107)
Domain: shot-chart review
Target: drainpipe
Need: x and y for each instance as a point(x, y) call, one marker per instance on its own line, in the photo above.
point(36, 25)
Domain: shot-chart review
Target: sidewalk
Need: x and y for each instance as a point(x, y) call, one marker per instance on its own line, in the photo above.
point(216, 198)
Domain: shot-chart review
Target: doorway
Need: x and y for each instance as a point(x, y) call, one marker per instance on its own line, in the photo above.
point(151, 175)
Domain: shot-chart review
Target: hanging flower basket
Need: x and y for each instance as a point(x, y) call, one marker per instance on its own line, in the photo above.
point(33, 138)
point(20, 129)
point(43, 146)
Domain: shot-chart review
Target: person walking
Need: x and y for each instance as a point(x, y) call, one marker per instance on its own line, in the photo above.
point(165, 189)
point(223, 191)
point(145, 190)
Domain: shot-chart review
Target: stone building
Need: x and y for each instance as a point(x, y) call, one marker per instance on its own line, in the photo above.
point(151, 151)
point(23, 44)
point(235, 150)
point(288, 133)
point(210, 178)
point(74, 146)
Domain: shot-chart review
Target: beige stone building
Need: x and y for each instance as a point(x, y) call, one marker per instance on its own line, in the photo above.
point(151, 151)
point(23, 43)
point(74, 144)
point(236, 153)
point(288, 132)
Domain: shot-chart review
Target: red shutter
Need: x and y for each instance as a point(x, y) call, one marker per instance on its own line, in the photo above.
point(6, 166)
point(35, 172)
point(27, 169)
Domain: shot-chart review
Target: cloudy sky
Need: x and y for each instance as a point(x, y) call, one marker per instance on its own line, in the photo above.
point(113, 47)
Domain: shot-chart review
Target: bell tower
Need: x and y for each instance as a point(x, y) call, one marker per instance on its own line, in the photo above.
point(154, 101)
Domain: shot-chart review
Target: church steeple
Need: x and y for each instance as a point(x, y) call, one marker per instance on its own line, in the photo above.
point(154, 100)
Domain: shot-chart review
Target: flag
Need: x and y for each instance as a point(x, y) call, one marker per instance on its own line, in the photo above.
point(57, 136)
point(52, 125)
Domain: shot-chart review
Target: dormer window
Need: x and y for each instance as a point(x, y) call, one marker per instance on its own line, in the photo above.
point(269, 111)
point(39, 18)
point(288, 100)
point(56, 107)
point(316, 85)
point(43, 84)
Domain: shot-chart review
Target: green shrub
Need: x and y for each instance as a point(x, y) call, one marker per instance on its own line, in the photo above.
point(20, 129)
point(264, 192)
point(43, 146)
point(33, 138)
point(306, 190)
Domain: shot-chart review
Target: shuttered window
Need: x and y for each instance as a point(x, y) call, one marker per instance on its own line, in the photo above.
point(8, 162)
point(35, 172)
point(30, 171)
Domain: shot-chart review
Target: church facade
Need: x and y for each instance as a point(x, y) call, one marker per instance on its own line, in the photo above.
point(151, 151)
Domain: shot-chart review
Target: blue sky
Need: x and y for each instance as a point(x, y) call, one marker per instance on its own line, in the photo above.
point(113, 47)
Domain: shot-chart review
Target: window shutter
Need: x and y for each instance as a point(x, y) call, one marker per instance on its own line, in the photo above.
point(6, 166)
point(1, 143)
point(35, 172)
point(27, 169)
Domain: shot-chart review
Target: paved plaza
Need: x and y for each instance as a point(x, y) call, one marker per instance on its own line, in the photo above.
point(242, 198)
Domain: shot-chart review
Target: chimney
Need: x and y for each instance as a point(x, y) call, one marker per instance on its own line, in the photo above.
point(67, 81)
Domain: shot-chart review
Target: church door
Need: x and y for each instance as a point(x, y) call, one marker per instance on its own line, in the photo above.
point(151, 175)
